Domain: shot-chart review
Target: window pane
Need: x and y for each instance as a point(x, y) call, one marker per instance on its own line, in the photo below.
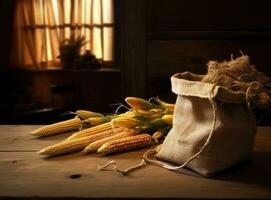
point(96, 11)
point(92, 19)
point(108, 11)
point(55, 10)
point(108, 43)
point(67, 11)
point(38, 9)
point(48, 46)
point(67, 32)
point(87, 11)
point(97, 47)
point(87, 35)
point(38, 43)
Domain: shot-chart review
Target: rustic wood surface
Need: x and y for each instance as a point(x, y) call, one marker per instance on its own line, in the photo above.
point(24, 174)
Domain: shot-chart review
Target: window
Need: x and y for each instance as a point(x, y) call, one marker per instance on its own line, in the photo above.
point(41, 25)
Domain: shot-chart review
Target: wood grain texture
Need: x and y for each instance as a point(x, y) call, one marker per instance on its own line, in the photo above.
point(133, 47)
point(94, 89)
point(178, 15)
point(17, 138)
point(26, 174)
point(167, 57)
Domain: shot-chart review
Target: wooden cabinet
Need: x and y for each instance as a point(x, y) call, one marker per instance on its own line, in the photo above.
point(29, 90)
point(92, 89)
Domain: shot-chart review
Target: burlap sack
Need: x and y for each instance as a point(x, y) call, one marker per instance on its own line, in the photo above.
point(213, 128)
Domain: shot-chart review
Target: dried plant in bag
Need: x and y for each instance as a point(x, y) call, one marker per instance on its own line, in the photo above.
point(240, 76)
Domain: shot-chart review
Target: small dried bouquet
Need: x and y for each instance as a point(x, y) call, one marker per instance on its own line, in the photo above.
point(70, 50)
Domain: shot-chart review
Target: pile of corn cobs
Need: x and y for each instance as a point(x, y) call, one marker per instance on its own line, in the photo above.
point(144, 124)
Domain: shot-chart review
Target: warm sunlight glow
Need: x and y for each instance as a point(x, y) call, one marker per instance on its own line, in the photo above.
point(108, 11)
point(45, 23)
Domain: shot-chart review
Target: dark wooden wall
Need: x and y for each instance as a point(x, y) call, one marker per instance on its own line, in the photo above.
point(6, 23)
point(162, 37)
point(182, 35)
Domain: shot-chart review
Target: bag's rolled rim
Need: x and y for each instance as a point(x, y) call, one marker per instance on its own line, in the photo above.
point(189, 84)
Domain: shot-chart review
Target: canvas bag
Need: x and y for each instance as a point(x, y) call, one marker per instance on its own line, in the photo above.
point(213, 128)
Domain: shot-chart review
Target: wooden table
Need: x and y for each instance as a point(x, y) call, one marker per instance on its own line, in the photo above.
point(25, 174)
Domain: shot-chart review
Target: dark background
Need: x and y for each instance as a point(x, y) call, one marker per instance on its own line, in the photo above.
point(154, 39)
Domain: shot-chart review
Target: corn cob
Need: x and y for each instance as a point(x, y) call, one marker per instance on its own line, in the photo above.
point(100, 127)
point(156, 110)
point(160, 133)
point(94, 121)
point(165, 104)
point(60, 127)
point(127, 122)
point(138, 103)
point(167, 119)
point(147, 115)
point(76, 144)
point(85, 114)
point(127, 143)
point(91, 131)
point(94, 146)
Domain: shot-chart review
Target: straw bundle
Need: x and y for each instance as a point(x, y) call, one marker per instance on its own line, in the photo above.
point(239, 75)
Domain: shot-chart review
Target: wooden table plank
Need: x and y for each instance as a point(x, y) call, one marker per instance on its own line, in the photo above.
point(17, 138)
point(32, 176)
point(26, 174)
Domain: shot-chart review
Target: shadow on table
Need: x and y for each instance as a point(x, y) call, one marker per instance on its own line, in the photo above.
point(256, 171)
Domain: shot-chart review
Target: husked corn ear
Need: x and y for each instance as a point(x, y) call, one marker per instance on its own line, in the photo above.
point(168, 119)
point(147, 115)
point(59, 127)
point(127, 143)
point(75, 144)
point(149, 112)
point(169, 111)
point(93, 121)
point(165, 104)
point(156, 110)
point(157, 123)
point(91, 131)
point(161, 133)
point(85, 114)
point(138, 103)
point(127, 122)
point(94, 146)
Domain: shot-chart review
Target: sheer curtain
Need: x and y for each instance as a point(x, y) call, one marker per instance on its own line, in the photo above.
point(41, 25)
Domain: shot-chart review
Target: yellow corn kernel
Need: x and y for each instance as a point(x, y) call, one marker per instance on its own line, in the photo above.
point(156, 110)
point(91, 131)
point(85, 114)
point(125, 144)
point(59, 127)
point(165, 104)
point(168, 119)
point(94, 146)
point(161, 133)
point(138, 103)
point(127, 122)
point(68, 146)
point(147, 115)
point(93, 121)
point(169, 111)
